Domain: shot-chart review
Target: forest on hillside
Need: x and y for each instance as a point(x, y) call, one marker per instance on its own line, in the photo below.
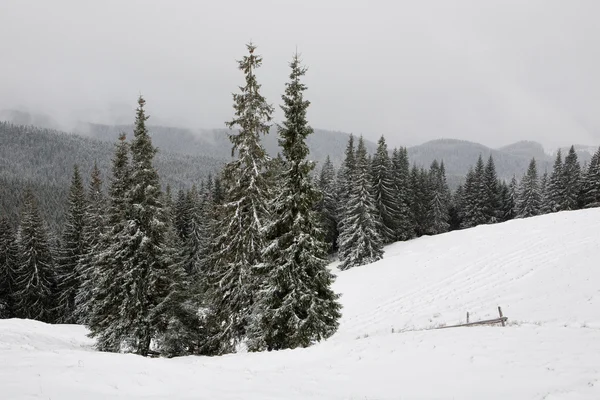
point(208, 263)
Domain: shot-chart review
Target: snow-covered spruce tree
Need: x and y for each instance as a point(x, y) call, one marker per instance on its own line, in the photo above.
point(359, 241)
point(475, 197)
point(439, 205)
point(456, 208)
point(554, 188)
point(110, 261)
point(345, 182)
point(385, 192)
point(505, 204)
point(148, 275)
point(9, 259)
point(92, 232)
point(34, 293)
point(295, 305)
point(401, 174)
point(571, 182)
point(528, 204)
point(510, 203)
point(72, 250)
point(328, 206)
point(491, 203)
point(591, 182)
point(238, 249)
point(544, 203)
point(420, 201)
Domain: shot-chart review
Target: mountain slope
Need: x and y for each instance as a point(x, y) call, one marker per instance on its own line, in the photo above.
point(542, 271)
point(215, 142)
point(43, 160)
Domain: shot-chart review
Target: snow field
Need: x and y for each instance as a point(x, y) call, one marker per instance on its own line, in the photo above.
point(543, 271)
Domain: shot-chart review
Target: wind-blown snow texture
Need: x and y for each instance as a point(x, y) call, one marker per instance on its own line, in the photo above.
point(543, 271)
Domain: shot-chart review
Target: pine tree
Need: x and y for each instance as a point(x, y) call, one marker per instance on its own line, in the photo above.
point(401, 174)
point(72, 250)
point(591, 182)
point(510, 205)
point(420, 201)
point(149, 276)
point(295, 305)
point(238, 249)
point(385, 192)
point(455, 211)
point(359, 241)
point(475, 197)
point(491, 201)
point(529, 198)
point(554, 187)
point(9, 259)
point(92, 232)
point(138, 253)
point(328, 206)
point(571, 182)
point(507, 205)
point(439, 205)
point(544, 197)
point(345, 181)
point(35, 276)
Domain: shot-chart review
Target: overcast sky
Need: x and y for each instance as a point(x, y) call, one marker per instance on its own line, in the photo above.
point(491, 71)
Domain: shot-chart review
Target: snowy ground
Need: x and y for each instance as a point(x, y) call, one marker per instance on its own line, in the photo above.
point(543, 271)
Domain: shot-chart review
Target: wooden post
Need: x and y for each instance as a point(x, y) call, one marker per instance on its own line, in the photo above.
point(467, 317)
point(501, 316)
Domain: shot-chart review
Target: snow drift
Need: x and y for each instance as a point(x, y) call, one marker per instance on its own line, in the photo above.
point(543, 271)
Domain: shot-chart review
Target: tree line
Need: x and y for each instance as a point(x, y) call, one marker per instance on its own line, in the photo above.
point(240, 260)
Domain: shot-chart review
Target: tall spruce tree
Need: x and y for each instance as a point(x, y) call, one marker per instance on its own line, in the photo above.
point(238, 249)
point(385, 192)
point(529, 199)
point(345, 181)
point(34, 295)
point(92, 232)
point(328, 206)
point(401, 175)
point(439, 206)
point(510, 205)
point(359, 241)
point(73, 249)
point(591, 182)
point(554, 187)
point(147, 280)
point(9, 259)
point(295, 305)
point(571, 182)
point(491, 202)
point(475, 197)
point(544, 197)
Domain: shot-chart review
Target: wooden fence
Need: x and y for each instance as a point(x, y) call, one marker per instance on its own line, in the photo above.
point(500, 320)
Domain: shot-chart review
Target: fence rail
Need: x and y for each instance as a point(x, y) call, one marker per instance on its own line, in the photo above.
point(501, 320)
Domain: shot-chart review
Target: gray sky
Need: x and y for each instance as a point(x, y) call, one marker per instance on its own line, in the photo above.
point(492, 71)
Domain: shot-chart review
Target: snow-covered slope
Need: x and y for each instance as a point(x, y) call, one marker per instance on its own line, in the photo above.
point(543, 271)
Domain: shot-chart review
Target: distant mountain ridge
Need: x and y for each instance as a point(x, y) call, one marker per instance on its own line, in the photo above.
point(511, 160)
point(215, 142)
